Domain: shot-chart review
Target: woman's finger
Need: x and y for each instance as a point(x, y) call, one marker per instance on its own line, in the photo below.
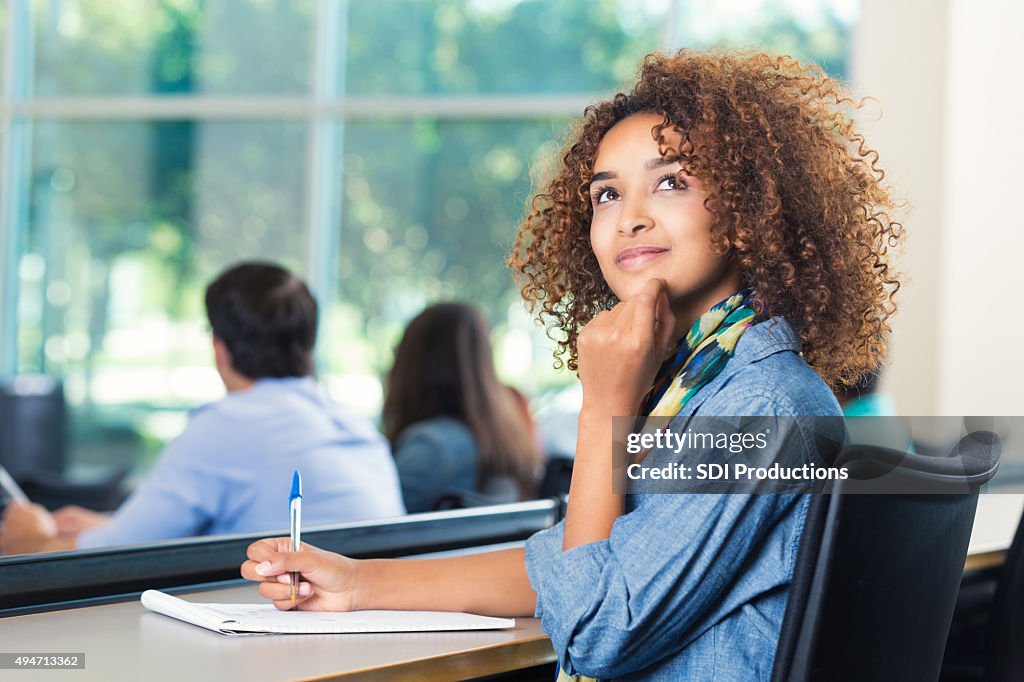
point(309, 562)
point(264, 549)
point(645, 310)
point(280, 591)
point(248, 571)
point(666, 325)
point(300, 603)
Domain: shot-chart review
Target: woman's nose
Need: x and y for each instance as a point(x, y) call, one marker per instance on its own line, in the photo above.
point(635, 218)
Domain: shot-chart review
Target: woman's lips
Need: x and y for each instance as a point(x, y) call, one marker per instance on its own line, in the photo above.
point(638, 256)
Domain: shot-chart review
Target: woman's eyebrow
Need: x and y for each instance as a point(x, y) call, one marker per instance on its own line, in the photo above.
point(648, 165)
point(659, 162)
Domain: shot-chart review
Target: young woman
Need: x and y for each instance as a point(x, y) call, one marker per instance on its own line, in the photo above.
point(713, 243)
point(453, 426)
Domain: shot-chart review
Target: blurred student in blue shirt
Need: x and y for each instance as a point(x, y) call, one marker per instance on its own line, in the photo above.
point(229, 471)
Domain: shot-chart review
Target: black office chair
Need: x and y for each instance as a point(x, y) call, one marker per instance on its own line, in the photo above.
point(33, 425)
point(464, 499)
point(54, 491)
point(557, 476)
point(496, 490)
point(1005, 659)
point(876, 576)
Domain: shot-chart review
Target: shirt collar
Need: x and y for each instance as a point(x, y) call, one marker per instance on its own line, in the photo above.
point(758, 342)
point(764, 339)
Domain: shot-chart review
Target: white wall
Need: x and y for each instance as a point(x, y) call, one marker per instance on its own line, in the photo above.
point(947, 73)
point(983, 320)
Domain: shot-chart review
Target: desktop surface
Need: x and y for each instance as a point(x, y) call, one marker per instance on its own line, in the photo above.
point(125, 641)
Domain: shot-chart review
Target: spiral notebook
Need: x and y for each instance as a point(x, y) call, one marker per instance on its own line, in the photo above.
point(264, 619)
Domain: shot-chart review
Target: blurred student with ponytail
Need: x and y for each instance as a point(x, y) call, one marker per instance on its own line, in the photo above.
point(453, 427)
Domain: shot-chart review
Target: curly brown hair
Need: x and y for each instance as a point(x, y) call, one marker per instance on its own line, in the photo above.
point(797, 201)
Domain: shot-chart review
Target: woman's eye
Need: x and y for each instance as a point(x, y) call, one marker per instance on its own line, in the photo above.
point(670, 182)
point(604, 195)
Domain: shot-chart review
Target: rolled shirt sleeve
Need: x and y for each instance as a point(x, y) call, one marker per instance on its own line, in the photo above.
point(671, 569)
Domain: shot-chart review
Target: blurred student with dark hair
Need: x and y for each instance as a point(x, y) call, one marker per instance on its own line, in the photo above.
point(230, 470)
point(452, 425)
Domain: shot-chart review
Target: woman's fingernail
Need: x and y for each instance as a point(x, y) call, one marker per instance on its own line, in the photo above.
point(263, 569)
point(304, 589)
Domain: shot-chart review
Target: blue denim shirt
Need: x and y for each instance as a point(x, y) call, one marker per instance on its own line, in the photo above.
point(435, 456)
point(688, 587)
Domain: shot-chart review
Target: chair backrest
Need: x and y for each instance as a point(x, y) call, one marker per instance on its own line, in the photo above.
point(498, 489)
point(33, 425)
point(1005, 659)
point(877, 575)
point(557, 476)
point(54, 491)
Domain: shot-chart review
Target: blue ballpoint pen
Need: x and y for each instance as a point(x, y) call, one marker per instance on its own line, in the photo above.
point(295, 511)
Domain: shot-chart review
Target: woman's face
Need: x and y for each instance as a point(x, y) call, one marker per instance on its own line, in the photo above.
point(645, 225)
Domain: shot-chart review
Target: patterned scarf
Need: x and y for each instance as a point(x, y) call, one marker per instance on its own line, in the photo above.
point(699, 356)
point(696, 359)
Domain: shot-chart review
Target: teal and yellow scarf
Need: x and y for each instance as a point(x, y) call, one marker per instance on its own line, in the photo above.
point(698, 357)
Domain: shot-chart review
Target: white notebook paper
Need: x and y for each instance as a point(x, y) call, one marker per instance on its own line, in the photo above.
point(255, 619)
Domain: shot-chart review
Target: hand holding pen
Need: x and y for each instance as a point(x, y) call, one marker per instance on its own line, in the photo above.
point(329, 581)
point(280, 564)
point(295, 512)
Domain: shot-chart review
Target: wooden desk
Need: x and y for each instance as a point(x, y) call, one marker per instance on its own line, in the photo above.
point(994, 525)
point(125, 641)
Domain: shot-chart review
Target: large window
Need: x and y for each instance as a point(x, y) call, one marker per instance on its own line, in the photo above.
point(381, 149)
